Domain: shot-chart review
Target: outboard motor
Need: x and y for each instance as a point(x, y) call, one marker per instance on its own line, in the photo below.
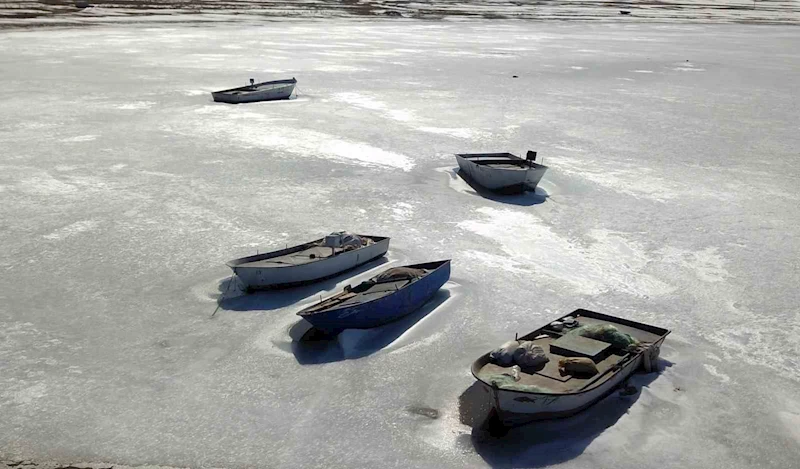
point(531, 157)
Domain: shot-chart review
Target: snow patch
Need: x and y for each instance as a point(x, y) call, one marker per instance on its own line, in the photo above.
point(136, 105)
point(295, 140)
point(316, 144)
point(433, 338)
point(610, 263)
point(359, 100)
point(332, 68)
point(28, 395)
point(706, 264)
point(455, 132)
point(72, 229)
point(45, 185)
point(368, 102)
point(713, 371)
point(494, 261)
point(402, 211)
point(80, 138)
point(636, 181)
point(792, 423)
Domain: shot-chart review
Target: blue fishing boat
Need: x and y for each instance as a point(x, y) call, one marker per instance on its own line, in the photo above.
point(387, 297)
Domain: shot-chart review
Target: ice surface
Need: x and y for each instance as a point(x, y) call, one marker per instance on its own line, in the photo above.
point(671, 199)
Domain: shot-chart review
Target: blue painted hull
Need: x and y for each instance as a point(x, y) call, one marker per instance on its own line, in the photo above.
point(383, 310)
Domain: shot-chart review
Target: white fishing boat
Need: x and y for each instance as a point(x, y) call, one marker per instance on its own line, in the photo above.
point(265, 91)
point(549, 384)
point(501, 172)
point(308, 262)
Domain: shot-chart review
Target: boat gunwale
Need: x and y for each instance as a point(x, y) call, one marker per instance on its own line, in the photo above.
point(250, 88)
point(661, 332)
point(512, 159)
point(307, 310)
point(239, 263)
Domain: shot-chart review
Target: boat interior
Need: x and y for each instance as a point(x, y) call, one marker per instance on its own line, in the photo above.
point(559, 344)
point(500, 160)
point(258, 88)
point(265, 86)
point(298, 255)
point(387, 282)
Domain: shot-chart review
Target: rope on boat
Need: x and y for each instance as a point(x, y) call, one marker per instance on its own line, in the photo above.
point(649, 357)
point(219, 302)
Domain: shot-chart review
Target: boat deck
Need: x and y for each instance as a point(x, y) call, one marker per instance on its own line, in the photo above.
point(296, 258)
point(478, 157)
point(549, 379)
point(363, 293)
point(499, 160)
point(504, 165)
point(258, 89)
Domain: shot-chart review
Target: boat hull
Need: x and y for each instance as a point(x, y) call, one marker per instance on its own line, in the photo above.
point(261, 278)
point(516, 408)
point(505, 180)
point(272, 94)
point(384, 310)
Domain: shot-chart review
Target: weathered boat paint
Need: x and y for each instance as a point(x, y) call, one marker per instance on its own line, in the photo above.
point(517, 407)
point(385, 309)
point(500, 177)
point(257, 277)
point(265, 91)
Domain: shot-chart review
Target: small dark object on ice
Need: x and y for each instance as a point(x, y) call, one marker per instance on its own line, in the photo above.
point(514, 76)
point(424, 411)
point(624, 12)
point(393, 13)
point(82, 4)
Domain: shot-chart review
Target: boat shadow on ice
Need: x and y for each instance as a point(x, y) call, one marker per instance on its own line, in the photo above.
point(526, 199)
point(233, 297)
point(548, 442)
point(311, 346)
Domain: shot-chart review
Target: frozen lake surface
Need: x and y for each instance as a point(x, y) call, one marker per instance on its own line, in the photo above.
point(671, 199)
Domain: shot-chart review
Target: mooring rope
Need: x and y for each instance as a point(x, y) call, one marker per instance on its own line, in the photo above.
point(221, 298)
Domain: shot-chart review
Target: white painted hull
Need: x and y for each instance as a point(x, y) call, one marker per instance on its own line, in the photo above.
point(255, 278)
point(533, 176)
point(501, 179)
point(515, 408)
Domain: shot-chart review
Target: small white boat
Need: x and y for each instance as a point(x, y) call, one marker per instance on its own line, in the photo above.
point(266, 91)
point(501, 172)
point(618, 349)
point(309, 262)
